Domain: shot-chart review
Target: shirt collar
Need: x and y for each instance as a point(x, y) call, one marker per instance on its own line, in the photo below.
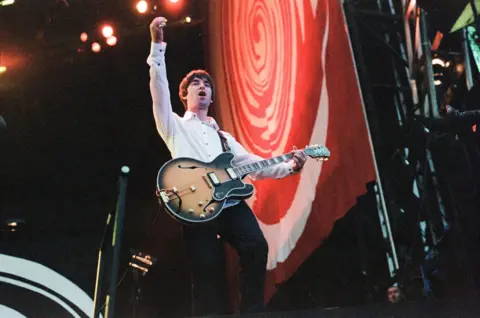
point(208, 121)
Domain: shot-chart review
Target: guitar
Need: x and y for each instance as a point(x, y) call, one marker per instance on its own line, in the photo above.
point(194, 192)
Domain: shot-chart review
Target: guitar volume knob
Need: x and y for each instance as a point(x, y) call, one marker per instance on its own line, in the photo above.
point(211, 209)
point(200, 203)
point(202, 216)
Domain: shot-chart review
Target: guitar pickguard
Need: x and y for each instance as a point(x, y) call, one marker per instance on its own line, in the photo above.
point(233, 189)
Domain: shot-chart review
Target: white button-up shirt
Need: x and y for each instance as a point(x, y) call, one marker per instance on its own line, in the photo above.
point(190, 137)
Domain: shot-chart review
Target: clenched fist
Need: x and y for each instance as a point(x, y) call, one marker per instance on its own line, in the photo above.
point(156, 29)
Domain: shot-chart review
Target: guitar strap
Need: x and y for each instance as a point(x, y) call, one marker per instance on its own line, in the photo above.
point(223, 140)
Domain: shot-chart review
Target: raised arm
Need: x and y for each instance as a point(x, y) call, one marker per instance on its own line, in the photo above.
point(162, 105)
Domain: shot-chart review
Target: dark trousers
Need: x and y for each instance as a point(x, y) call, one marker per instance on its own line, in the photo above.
point(238, 226)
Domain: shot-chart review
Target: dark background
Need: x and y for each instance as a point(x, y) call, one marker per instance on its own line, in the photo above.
point(74, 119)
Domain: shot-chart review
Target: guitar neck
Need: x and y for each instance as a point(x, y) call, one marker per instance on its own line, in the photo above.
point(263, 164)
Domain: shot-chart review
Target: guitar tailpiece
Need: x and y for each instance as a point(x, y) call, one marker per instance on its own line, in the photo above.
point(164, 197)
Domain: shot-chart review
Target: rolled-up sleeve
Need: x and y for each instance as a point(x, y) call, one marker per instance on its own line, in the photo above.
point(243, 157)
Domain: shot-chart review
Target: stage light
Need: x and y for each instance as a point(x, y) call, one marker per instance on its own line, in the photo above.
point(6, 2)
point(84, 37)
point(3, 69)
point(107, 31)
point(14, 225)
point(142, 6)
point(188, 19)
point(96, 47)
point(175, 7)
point(112, 40)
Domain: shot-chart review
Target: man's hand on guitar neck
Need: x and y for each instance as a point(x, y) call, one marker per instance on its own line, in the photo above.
point(299, 158)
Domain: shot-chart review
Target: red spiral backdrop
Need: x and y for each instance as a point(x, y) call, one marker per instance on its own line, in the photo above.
point(285, 76)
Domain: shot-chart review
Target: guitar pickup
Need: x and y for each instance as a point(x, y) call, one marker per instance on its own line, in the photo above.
point(213, 178)
point(232, 174)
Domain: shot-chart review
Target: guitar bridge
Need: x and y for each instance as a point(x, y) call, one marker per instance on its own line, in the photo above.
point(207, 182)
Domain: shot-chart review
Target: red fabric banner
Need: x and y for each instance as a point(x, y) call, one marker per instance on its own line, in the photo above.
point(285, 77)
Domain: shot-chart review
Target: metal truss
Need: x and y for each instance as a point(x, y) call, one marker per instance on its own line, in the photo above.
point(393, 54)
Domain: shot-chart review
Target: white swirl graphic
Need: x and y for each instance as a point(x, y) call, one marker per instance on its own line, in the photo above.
point(10, 313)
point(48, 278)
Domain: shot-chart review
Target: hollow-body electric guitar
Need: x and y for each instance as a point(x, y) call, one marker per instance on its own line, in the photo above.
point(193, 192)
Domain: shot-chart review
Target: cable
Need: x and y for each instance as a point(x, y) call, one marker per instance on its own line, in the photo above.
point(118, 285)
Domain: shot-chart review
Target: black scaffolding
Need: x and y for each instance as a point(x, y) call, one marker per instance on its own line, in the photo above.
point(423, 164)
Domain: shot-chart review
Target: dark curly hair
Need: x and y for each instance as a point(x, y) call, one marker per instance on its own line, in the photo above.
point(188, 79)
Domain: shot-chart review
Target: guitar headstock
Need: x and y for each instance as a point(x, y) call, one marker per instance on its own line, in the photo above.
point(318, 152)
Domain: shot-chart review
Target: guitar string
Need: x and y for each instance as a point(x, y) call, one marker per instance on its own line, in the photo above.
point(179, 193)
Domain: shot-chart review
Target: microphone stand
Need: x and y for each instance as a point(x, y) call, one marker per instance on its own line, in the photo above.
point(113, 230)
point(136, 292)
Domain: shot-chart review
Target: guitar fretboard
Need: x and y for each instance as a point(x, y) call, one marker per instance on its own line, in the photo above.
point(260, 165)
